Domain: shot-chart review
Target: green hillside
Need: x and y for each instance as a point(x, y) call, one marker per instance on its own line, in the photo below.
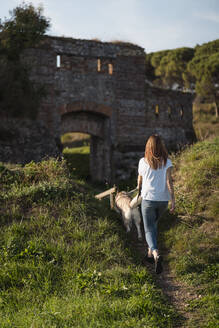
point(64, 257)
point(65, 260)
point(191, 234)
point(205, 123)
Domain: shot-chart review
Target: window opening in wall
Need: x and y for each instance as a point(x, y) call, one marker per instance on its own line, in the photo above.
point(169, 110)
point(98, 65)
point(157, 110)
point(58, 61)
point(181, 112)
point(110, 69)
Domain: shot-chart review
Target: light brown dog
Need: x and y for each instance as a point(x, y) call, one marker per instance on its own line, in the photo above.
point(129, 213)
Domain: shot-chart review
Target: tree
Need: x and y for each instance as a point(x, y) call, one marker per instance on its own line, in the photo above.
point(149, 69)
point(24, 29)
point(170, 65)
point(153, 61)
point(204, 69)
point(196, 69)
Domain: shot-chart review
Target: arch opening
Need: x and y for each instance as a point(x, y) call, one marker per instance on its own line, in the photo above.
point(76, 151)
point(86, 145)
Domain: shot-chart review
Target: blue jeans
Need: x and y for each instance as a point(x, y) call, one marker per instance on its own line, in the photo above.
point(151, 212)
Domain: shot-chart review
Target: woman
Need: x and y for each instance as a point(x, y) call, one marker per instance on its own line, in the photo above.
point(155, 182)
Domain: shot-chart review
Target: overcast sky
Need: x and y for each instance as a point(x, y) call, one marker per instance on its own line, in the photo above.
point(153, 24)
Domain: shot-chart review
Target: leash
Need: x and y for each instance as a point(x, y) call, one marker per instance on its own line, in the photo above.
point(131, 191)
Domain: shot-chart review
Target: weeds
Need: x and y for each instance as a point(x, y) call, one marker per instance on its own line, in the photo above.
point(64, 260)
point(191, 235)
point(75, 157)
point(206, 124)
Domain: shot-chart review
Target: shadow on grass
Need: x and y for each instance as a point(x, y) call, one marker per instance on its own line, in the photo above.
point(166, 223)
point(78, 164)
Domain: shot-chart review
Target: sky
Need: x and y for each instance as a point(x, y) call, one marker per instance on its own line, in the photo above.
point(152, 24)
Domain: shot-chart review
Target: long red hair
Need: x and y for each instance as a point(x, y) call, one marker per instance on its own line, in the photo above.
point(155, 152)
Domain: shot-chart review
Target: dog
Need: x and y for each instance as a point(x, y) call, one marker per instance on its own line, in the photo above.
point(127, 207)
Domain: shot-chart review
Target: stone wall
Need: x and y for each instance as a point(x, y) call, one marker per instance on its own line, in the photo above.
point(166, 112)
point(90, 85)
point(23, 141)
point(99, 88)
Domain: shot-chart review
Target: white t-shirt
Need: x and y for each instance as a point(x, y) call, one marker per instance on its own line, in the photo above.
point(154, 186)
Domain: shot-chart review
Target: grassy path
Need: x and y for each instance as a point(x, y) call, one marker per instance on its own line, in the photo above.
point(189, 239)
point(178, 293)
point(65, 260)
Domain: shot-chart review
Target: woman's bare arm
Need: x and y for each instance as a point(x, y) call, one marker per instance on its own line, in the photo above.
point(171, 188)
point(139, 182)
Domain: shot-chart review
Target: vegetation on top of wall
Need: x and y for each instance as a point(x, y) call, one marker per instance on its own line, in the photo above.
point(20, 97)
point(125, 43)
point(24, 29)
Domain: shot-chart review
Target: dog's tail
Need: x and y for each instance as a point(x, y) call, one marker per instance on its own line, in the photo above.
point(136, 201)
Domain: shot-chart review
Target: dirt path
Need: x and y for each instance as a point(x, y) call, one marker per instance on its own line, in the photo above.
point(178, 293)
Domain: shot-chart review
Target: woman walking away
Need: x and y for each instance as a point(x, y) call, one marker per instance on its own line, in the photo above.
point(155, 182)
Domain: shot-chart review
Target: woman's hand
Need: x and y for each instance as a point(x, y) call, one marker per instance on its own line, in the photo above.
point(172, 205)
point(170, 188)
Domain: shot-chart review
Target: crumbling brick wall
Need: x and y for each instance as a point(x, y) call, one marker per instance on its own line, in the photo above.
point(23, 141)
point(99, 88)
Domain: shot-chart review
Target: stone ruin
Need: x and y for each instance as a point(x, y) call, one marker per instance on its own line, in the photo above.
point(99, 89)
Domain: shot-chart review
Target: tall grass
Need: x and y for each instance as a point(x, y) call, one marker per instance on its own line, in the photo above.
point(206, 124)
point(65, 260)
point(191, 235)
point(78, 162)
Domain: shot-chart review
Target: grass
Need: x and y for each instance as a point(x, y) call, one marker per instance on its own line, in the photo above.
point(191, 235)
point(206, 124)
point(78, 161)
point(65, 260)
point(72, 140)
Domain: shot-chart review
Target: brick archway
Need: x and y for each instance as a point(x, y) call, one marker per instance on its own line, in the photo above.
point(97, 124)
point(99, 88)
point(86, 106)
